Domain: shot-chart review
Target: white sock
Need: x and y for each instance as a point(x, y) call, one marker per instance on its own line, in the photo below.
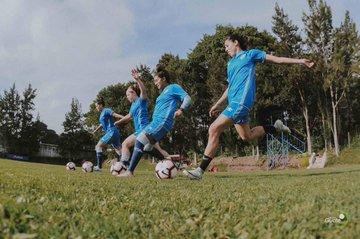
point(125, 157)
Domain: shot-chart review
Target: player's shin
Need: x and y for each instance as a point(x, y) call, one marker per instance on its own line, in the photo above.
point(206, 160)
point(136, 156)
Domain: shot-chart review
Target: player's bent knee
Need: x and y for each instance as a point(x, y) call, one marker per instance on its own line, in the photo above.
point(245, 137)
point(214, 130)
point(126, 144)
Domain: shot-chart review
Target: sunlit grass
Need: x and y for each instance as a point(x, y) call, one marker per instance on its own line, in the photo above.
point(48, 201)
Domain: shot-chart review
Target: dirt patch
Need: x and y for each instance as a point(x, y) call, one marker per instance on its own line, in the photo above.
point(251, 163)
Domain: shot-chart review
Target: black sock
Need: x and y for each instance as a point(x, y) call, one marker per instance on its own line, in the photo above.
point(269, 129)
point(156, 153)
point(205, 162)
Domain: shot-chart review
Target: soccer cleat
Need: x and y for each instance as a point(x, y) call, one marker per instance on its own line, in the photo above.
point(97, 169)
point(126, 174)
point(280, 127)
point(195, 174)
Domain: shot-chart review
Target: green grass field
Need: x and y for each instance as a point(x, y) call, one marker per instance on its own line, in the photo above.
point(44, 201)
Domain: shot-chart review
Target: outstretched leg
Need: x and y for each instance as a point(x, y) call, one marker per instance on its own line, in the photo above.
point(257, 132)
point(99, 148)
point(128, 143)
point(138, 152)
point(215, 130)
point(156, 151)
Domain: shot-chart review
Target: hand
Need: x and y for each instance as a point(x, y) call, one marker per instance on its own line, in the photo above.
point(214, 111)
point(307, 63)
point(135, 74)
point(178, 113)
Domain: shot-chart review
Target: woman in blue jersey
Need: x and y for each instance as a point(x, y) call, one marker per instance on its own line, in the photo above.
point(166, 109)
point(240, 95)
point(112, 134)
point(136, 94)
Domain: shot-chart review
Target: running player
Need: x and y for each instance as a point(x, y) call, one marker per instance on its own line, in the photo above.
point(112, 134)
point(240, 95)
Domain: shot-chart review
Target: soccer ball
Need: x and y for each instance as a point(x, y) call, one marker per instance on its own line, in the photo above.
point(116, 168)
point(165, 169)
point(87, 167)
point(70, 166)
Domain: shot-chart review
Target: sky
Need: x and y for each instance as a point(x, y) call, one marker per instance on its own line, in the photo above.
point(73, 48)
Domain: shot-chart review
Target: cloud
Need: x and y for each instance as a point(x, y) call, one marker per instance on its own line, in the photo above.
point(64, 49)
point(73, 48)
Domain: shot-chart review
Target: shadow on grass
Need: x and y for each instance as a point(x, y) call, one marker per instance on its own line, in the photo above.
point(309, 173)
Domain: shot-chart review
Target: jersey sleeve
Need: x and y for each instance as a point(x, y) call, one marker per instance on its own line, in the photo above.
point(257, 55)
point(179, 92)
point(108, 112)
point(131, 111)
point(143, 102)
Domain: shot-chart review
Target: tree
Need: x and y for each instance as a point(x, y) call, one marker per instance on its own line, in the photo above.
point(29, 136)
point(341, 64)
point(319, 33)
point(11, 118)
point(73, 119)
point(46, 135)
point(17, 125)
point(76, 143)
point(295, 79)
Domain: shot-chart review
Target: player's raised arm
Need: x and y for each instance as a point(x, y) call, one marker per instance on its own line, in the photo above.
point(286, 60)
point(136, 75)
point(126, 119)
point(216, 107)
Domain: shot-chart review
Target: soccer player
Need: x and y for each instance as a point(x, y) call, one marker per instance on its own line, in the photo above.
point(136, 94)
point(112, 134)
point(240, 95)
point(163, 117)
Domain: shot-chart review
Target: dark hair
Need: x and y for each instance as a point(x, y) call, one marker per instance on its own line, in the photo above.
point(162, 72)
point(135, 88)
point(100, 101)
point(243, 43)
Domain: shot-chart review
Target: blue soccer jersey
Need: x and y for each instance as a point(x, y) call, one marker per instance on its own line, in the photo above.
point(139, 113)
point(241, 77)
point(166, 105)
point(106, 119)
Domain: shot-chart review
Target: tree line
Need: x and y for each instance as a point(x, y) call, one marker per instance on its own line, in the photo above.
point(323, 103)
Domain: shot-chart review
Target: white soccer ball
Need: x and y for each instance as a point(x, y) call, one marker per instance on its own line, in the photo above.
point(117, 168)
point(165, 169)
point(70, 166)
point(87, 167)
